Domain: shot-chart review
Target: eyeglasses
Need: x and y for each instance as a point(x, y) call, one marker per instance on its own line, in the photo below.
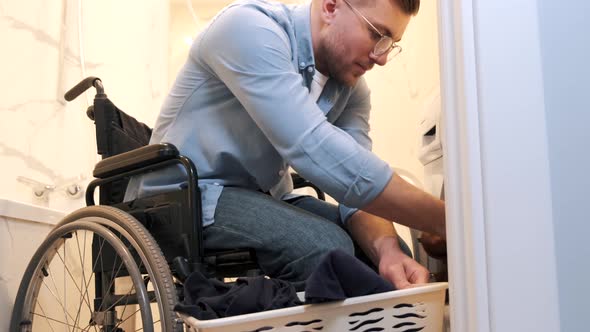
point(385, 43)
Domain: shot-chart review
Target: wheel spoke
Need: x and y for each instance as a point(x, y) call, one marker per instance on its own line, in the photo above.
point(93, 267)
point(83, 299)
point(113, 277)
point(75, 284)
point(44, 315)
point(64, 277)
point(141, 328)
point(132, 315)
point(74, 328)
point(119, 300)
point(47, 307)
point(56, 296)
point(125, 307)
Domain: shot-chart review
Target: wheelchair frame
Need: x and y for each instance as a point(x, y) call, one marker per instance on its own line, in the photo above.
point(143, 233)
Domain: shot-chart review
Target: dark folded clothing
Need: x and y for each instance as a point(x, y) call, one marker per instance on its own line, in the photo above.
point(337, 277)
point(340, 276)
point(210, 298)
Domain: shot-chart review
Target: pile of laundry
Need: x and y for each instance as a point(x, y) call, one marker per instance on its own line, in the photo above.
point(337, 277)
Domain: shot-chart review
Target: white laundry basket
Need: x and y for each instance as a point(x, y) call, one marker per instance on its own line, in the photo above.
point(407, 310)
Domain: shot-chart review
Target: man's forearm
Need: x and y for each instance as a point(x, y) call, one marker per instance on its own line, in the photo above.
point(407, 205)
point(373, 234)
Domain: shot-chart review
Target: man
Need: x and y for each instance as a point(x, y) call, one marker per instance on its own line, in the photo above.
point(268, 86)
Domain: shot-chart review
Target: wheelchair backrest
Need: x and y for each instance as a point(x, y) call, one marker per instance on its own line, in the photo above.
point(116, 132)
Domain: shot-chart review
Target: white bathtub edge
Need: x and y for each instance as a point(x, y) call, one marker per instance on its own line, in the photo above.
point(23, 211)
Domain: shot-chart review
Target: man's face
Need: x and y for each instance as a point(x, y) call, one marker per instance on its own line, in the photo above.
point(348, 42)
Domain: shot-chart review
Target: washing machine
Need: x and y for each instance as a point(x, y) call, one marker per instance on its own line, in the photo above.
point(431, 156)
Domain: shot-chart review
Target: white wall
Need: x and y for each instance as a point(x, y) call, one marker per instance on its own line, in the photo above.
point(41, 136)
point(400, 92)
point(401, 89)
point(500, 202)
point(566, 77)
point(517, 194)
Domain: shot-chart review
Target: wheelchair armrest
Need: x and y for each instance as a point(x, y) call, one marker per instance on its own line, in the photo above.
point(300, 182)
point(135, 159)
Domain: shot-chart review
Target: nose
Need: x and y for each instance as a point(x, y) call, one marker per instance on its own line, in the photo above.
point(380, 60)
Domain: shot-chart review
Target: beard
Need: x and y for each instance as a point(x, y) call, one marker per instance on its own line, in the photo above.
point(334, 53)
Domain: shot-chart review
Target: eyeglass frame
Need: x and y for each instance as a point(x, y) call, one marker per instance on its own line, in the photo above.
point(392, 44)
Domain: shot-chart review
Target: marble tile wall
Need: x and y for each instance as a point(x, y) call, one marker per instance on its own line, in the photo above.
point(42, 137)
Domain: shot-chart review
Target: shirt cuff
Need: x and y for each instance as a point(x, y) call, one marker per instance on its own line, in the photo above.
point(345, 213)
point(369, 183)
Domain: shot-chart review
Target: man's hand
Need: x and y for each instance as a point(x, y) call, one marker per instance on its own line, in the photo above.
point(434, 245)
point(378, 239)
point(399, 269)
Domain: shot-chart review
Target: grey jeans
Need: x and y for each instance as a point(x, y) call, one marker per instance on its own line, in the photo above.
point(290, 238)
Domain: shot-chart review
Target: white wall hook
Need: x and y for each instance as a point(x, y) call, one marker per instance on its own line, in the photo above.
point(40, 190)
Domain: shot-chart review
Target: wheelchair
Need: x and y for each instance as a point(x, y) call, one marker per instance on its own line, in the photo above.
point(119, 266)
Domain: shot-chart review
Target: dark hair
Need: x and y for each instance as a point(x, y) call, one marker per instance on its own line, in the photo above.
point(409, 7)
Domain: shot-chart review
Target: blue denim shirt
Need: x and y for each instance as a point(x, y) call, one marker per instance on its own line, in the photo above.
point(240, 109)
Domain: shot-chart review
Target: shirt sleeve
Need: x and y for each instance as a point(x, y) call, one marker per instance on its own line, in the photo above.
point(252, 55)
point(354, 120)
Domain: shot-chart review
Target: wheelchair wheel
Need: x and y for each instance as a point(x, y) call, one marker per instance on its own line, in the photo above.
point(117, 291)
point(57, 292)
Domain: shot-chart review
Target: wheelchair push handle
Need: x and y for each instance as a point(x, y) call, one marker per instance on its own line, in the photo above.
point(84, 85)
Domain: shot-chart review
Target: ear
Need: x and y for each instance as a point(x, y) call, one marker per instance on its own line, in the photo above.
point(328, 10)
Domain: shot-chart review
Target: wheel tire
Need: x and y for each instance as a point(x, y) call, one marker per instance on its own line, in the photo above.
point(39, 269)
point(146, 247)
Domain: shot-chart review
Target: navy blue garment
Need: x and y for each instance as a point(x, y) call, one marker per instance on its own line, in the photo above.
point(210, 298)
point(340, 276)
